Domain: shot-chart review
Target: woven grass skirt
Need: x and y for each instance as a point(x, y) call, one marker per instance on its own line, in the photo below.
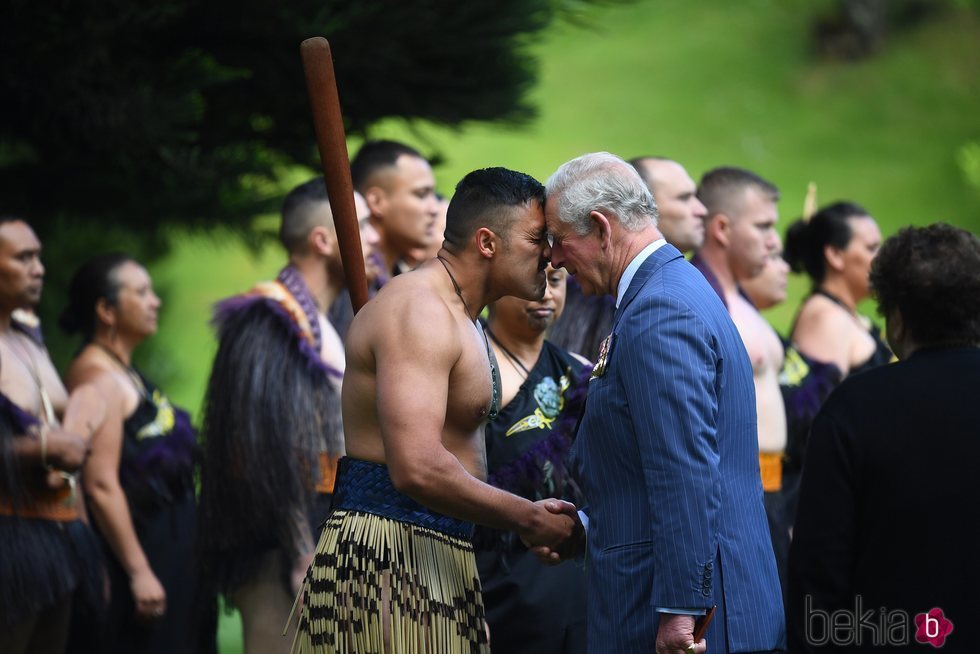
point(384, 585)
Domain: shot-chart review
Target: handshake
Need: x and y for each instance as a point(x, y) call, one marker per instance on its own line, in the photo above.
point(555, 533)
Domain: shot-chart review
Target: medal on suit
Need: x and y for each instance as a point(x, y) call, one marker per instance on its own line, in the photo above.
point(600, 365)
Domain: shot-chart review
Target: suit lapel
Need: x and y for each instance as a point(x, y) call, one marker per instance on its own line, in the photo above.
point(654, 262)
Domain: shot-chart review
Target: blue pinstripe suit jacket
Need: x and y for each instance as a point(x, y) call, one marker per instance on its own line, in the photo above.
point(667, 454)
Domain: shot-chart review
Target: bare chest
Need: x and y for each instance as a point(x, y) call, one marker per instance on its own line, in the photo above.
point(29, 379)
point(470, 383)
point(764, 348)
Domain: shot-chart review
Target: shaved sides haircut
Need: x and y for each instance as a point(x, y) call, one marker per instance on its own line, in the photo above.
point(484, 198)
point(375, 156)
point(722, 190)
point(299, 214)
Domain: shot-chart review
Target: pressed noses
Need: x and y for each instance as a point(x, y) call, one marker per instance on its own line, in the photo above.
point(556, 255)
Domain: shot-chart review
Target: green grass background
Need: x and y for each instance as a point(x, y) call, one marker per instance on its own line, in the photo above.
point(706, 82)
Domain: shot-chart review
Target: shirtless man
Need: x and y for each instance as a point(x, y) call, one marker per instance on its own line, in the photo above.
point(740, 236)
point(40, 526)
point(400, 190)
point(394, 568)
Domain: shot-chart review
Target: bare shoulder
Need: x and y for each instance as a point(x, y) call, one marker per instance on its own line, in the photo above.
point(819, 316)
point(824, 332)
point(87, 369)
point(410, 314)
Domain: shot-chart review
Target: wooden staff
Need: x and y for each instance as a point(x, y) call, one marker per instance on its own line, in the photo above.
point(332, 143)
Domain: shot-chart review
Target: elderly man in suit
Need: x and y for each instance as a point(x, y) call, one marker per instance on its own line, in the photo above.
point(667, 448)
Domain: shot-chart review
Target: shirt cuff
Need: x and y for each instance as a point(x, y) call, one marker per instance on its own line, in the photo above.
point(682, 611)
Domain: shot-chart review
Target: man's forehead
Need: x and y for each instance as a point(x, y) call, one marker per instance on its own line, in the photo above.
point(528, 216)
point(685, 181)
point(551, 210)
point(756, 205)
point(411, 167)
point(666, 172)
point(406, 170)
point(767, 210)
point(17, 236)
point(536, 209)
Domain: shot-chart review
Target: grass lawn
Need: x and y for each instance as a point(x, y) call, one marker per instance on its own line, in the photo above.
point(706, 82)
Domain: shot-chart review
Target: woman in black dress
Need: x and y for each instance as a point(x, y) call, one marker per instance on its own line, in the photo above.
point(138, 480)
point(835, 248)
point(829, 338)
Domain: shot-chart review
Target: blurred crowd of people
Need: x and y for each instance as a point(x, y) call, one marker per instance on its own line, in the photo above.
point(122, 524)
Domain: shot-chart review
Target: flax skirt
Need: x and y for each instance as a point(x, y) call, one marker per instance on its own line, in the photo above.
point(380, 586)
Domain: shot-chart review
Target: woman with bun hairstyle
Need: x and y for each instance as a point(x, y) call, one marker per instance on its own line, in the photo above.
point(139, 478)
point(835, 248)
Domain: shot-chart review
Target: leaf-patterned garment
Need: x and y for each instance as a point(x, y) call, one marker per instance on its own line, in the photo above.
point(159, 451)
point(527, 444)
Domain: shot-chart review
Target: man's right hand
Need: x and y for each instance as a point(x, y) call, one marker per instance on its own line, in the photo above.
point(570, 547)
point(557, 529)
point(66, 450)
point(676, 635)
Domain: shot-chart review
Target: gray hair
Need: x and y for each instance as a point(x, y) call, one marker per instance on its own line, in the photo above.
point(600, 181)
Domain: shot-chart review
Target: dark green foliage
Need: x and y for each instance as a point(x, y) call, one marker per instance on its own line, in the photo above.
point(144, 114)
point(121, 119)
